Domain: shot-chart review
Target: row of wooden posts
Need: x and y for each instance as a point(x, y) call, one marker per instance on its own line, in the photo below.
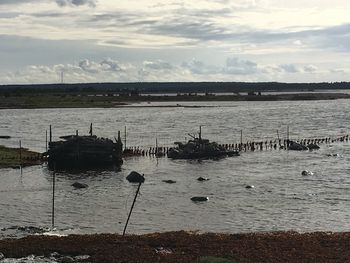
point(243, 147)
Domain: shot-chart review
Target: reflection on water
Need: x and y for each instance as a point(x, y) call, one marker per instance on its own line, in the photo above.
point(281, 199)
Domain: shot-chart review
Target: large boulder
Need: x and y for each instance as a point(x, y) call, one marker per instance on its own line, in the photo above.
point(135, 177)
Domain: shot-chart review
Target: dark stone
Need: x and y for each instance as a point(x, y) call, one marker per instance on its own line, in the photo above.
point(201, 179)
point(306, 173)
point(249, 186)
point(313, 146)
point(200, 199)
point(79, 185)
point(135, 177)
point(169, 181)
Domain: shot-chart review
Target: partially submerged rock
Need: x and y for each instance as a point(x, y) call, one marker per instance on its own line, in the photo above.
point(135, 177)
point(307, 173)
point(313, 146)
point(200, 198)
point(249, 186)
point(78, 185)
point(201, 179)
point(169, 181)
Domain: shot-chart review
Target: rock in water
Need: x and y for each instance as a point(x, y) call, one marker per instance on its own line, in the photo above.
point(135, 177)
point(201, 179)
point(249, 186)
point(200, 199)
point(78, 185)
point(307, 173)
point(169, 181)
point(313, 146)
point(66, 260)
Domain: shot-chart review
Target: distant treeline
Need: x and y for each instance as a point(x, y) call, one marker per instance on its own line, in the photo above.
point(170, 87)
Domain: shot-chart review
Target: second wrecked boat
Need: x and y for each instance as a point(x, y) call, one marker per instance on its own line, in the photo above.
point(199, 148)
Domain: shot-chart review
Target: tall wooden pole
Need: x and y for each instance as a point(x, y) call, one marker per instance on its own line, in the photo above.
point(132, 207)
point(46, 140)
point(200, 132)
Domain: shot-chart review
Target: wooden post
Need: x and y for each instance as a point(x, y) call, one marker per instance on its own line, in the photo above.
point(241, 136)
point(278, 137)
point(46, 140)
point(50, 133)
point(125, 137)
point(20, 153)
point(53, 197)
point(200, 133)
point(287, 137)
point(90, 132)
point(132, 207)
point(156, 145)
point(77, 133)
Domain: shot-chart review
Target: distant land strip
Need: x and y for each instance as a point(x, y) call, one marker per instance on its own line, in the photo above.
point(114, 100)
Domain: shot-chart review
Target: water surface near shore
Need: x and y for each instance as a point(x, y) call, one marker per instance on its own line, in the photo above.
point(282, 199)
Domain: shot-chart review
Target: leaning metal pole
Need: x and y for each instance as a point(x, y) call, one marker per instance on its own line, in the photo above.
point(132, 207)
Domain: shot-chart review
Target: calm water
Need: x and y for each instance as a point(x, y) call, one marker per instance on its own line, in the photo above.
point(282, 199)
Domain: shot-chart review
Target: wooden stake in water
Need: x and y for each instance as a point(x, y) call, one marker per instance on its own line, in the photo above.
point(125, 137)
point(50, 134)
point(46, 140)
point(132, 207)
point(278, 137)
point(20, 153)
point(241, 137)
point(53, 198)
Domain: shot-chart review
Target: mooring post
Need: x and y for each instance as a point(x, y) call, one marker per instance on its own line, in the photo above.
point(90, 131)
point(50, 133)
point(46, 140)
point(132, 207)
point(200, 133)
point(124, 137)
point(20, 153)
point(53, 197)
point(156, 145)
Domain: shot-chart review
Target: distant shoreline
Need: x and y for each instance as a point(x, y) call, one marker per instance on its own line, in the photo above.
point(186, 247)
point(77, 100)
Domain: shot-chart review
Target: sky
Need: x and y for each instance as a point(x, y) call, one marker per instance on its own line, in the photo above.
point(174, 40)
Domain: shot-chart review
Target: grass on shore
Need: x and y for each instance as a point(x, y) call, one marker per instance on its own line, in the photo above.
point(15, 157)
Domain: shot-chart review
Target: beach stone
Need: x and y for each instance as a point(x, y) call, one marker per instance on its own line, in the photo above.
point(1, 256)
point(200, 198)
point(135, 177)
point(169, 181)
point(201, 179)
point(78, 185)
point(250, 186)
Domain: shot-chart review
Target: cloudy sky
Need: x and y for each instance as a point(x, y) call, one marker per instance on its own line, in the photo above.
point(174, 40)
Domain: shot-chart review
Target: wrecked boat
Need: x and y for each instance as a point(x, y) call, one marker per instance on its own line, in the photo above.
point(75, 151)
point(199, 148)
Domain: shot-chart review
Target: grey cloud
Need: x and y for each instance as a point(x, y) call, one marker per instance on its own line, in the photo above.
point(240, 67)
point(158, 65)
point(289, 68)
point(310, 68)
point(91, 3)
point(200, 68)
